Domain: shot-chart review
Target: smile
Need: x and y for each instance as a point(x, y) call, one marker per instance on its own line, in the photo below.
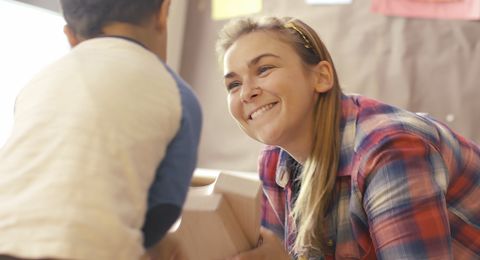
point(260, 111)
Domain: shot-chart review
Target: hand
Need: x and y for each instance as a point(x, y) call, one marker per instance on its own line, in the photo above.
point(271, 247)
point(169, 248)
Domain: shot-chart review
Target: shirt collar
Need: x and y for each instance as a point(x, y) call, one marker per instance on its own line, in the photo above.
point(124, 38)
point(348, 124)
point(348, 131)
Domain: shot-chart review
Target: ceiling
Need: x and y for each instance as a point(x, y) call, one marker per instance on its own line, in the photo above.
point(47, 4)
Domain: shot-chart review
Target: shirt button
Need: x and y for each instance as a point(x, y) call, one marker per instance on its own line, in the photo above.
point(330, 243)
point(282, 178)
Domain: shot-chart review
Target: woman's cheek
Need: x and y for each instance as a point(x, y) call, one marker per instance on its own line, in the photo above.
point(234, 106)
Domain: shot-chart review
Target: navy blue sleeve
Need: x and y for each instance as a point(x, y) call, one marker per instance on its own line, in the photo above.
point(172, 180)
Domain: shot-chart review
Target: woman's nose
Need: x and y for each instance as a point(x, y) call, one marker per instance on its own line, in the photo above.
point(249, 92)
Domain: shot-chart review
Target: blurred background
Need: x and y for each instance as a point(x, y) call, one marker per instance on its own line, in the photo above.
point(423, 64)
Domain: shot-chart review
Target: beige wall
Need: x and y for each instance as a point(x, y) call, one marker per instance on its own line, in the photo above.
point(428, 66)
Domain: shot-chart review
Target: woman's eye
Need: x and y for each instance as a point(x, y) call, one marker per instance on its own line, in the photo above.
point(263, 69)
point(232, 85)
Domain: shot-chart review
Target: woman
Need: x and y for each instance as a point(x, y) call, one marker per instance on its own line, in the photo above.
point(345, 177)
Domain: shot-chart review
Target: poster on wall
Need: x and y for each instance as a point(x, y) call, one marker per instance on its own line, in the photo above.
point(445, 9)
point(226, 9)
point(328, 2)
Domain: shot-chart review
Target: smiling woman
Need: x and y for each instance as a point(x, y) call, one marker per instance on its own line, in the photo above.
point(258, 78)
point(26, 47)
point(344, 176)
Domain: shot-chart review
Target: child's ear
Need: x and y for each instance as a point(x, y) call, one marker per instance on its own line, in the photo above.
point(162, 16)
point(71, 37)
point(323, 76)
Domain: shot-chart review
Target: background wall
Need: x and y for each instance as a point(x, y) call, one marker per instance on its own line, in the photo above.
point(430, 66)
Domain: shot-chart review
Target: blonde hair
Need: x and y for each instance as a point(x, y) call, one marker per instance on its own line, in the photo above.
point(319, 171)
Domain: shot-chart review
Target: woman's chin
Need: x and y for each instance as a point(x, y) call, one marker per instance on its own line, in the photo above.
point(267, 138)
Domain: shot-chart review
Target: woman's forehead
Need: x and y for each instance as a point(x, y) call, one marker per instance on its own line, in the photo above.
point(255, 43)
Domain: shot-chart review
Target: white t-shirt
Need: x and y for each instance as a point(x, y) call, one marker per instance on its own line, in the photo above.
point(89, 133)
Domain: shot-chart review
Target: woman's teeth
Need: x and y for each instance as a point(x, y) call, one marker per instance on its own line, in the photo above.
point(260, 111)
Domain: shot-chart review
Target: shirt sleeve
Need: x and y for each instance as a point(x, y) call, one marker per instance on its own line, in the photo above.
point(173, 176)
point(405, 205)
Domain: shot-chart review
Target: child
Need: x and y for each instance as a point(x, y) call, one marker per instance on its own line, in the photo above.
point(104, 141)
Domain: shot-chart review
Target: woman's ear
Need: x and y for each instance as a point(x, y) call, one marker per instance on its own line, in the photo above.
point(323, 76)
point(71, 37)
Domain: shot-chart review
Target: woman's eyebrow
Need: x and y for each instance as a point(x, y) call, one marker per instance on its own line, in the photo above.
point(252, 62)
point(261, 56)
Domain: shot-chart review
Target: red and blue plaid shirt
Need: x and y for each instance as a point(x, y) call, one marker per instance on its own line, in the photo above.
point(407, 188)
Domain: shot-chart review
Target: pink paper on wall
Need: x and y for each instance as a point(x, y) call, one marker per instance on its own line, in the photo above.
point(439, 9)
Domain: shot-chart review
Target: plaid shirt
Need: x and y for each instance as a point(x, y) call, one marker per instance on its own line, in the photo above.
point(407, 188)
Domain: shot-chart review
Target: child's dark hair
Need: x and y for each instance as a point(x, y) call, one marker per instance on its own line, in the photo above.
point(87, 17)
